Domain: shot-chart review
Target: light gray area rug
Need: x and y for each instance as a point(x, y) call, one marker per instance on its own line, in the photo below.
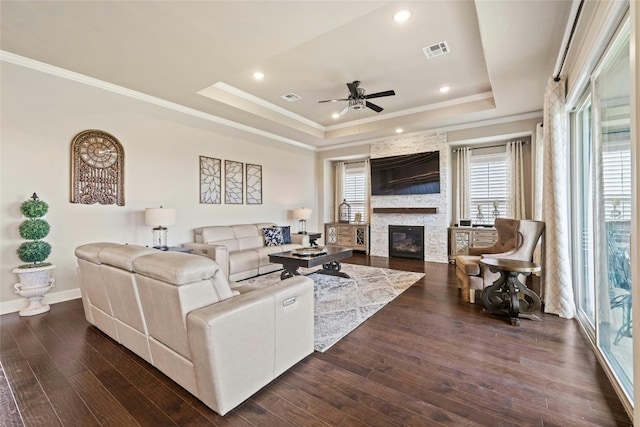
point(343, 304)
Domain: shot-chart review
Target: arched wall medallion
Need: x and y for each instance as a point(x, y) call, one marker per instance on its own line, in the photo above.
point(97, 169)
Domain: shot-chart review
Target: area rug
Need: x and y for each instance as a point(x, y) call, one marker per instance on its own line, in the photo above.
point(343, 304)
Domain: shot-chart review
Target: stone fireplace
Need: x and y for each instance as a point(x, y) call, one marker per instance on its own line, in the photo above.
point(431, 212)
point(406, 241)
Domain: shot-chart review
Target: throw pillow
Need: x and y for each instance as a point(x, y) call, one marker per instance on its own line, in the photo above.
point(286, 234)
point(272, 236)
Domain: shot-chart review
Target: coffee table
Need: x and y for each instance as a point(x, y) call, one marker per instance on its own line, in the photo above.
point(330, 261)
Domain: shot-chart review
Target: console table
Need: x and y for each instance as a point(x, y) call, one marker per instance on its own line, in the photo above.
point(508, 295)
point(463, 238)
point(355, 236)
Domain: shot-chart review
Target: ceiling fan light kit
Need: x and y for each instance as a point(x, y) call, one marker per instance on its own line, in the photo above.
point(357, 98)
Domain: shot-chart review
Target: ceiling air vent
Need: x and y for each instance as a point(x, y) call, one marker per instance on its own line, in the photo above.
point(436, 49)
point(291, 97)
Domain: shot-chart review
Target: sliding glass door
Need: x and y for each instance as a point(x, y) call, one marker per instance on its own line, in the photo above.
point(602, 209)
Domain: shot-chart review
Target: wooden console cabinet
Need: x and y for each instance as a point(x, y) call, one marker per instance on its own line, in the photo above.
point(355, 236)
point(463, 238)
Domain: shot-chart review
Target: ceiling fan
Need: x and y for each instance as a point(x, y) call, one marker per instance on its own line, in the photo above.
point(358, 98)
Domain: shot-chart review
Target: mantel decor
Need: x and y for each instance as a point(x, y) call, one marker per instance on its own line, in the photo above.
point(34, 280)
point(97, 169)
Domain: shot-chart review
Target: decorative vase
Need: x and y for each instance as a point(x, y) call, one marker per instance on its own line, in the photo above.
point(33, 284)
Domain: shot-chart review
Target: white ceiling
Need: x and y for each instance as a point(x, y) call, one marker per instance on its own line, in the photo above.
point(502, 53)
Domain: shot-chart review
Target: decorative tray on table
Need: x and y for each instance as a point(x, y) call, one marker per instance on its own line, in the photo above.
point(314, 251)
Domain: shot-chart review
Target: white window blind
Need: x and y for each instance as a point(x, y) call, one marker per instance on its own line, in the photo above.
point(488, 187)
point(616, 181)
point(355, 189)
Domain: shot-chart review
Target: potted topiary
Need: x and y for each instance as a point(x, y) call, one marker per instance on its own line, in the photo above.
point(34, 276)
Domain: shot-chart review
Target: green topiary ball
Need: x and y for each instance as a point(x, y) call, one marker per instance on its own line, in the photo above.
point(34, 229)
point(34, 208)
point(35, 252)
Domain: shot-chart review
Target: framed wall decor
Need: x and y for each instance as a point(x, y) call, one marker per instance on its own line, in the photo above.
point(233, 181)
point(254, 184)
point(210, 180)
point(97, 169)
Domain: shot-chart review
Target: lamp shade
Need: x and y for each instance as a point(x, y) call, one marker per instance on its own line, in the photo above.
point(302, 213)
point(159, 216)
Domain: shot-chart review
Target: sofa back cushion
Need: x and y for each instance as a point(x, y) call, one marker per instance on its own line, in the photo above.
point(172, 284)
point(248, 236)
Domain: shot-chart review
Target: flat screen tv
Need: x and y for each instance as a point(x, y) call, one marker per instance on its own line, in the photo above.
point(417, 173)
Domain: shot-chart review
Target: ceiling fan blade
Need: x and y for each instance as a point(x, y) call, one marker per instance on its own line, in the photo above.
point(353, 88)
point(374, 107)
point(380, 94)
point(334, 100)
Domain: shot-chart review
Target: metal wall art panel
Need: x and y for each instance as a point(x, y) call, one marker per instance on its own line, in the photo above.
point(210, 180)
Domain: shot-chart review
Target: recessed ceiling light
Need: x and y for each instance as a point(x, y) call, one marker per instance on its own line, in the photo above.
point(399, 130)
point(401, 15)
point(335, 115)
point(258, 75)
point(444, 89)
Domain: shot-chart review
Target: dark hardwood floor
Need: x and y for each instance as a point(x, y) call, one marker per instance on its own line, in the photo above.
point(425, 359)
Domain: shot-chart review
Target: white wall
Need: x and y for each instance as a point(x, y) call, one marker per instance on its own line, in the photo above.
point(40, 114)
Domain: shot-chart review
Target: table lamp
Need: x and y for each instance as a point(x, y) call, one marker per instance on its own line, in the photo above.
point(160, 218)
point(302, 215)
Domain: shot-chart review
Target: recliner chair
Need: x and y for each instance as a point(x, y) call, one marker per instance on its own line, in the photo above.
point(517, 239)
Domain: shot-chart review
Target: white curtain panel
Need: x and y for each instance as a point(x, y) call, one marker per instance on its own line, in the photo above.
point(558, 293)
point(367, 173)
point(463, 160)
point(339, 188)
point(515, 180)
point(537, 189)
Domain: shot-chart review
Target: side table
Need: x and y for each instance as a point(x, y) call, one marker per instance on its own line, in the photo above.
point(508, 295)
point(313, 237)
point(179, 249)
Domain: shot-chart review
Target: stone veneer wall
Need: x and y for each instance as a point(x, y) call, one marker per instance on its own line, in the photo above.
point(435, 232)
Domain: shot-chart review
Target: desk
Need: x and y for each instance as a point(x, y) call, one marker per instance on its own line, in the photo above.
point(508, 295)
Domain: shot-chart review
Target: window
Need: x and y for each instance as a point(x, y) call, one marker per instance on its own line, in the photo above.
point(355, 189)
point(488, 187)
point(602, 207)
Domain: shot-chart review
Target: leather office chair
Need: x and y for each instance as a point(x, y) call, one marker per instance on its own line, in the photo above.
point(517, 239)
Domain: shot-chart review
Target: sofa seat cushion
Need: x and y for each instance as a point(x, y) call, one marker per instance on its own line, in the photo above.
point(123, 256)
point(470, 264)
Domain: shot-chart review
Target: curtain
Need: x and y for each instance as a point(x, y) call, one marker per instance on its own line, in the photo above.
point(463, 160)
point(367, 199)
point(558, 286)
point(515, 180)
point(537, 190)
point(339, 189)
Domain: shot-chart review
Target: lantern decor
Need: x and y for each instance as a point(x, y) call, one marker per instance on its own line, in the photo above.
point(344, 212)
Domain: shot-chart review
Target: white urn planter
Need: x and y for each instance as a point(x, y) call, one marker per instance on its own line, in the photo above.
point(33, 284)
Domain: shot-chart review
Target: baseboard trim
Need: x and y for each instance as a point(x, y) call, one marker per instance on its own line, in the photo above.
point(51, 298)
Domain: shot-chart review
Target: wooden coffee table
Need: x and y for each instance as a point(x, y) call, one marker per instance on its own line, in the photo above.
point(330, 261)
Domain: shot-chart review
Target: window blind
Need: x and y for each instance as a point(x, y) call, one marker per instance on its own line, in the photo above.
point(488, 187)
point(355, 189)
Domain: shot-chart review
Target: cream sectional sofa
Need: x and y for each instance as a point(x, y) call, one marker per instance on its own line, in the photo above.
point(240, 250)
point(179, 313)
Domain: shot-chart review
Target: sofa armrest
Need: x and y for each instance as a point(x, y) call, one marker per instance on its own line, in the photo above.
point(218, 253)
point(301, 239)
point(241, 344)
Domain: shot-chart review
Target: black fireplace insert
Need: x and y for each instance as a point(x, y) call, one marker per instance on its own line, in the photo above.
point(406, 241)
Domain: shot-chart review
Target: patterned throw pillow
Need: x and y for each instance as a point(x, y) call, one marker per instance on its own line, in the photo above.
point(286, 234)
point(273, 236)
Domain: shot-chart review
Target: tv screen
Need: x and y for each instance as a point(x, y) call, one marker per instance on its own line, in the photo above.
point(406, 174)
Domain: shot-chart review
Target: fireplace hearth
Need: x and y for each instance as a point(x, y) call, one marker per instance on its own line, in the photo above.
point(406, 241)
